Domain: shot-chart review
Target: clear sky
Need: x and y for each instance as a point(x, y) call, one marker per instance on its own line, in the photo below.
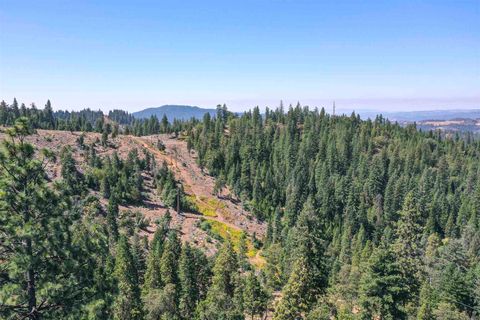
point(384, 55)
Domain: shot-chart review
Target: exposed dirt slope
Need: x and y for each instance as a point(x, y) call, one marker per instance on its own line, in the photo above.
point(227, 217)
point(201, 185)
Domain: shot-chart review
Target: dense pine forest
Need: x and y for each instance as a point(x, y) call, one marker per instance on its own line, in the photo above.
point(366, 220)
point(85, 120)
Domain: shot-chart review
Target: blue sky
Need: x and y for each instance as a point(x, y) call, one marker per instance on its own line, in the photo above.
point(384, 55)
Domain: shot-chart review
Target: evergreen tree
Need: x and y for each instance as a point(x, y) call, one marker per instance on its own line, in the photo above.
point(41, 260)
point(105, 186)
point(332, 189)
point(112, 215)
point(296, 295)
point(48, 116)
point(407, 244)
point(306, 241)
point(219, 302)
point(242, 252)
point(105, 138)
point(128, 305)
point(73, 179)
point(139, 246)
point(169, 259)
point(164, 124)
point(383, 292)
point(189, 294)
point(254, 297)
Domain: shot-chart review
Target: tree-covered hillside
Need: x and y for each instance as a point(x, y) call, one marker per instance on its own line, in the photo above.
point(366, 220)
point(173, 112)
point(84, 120)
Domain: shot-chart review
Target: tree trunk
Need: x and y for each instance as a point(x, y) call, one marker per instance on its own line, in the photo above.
point(32, 299)
point(31, 292)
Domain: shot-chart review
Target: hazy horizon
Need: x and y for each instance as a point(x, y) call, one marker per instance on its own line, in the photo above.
point(342, 105)
point(382, 55)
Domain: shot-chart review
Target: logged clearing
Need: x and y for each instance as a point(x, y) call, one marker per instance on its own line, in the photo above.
point(226, 215)
point(217, 216)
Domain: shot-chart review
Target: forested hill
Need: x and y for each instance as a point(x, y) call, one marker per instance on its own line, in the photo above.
point(365, 217)
point(174, 112)
point(366, 220)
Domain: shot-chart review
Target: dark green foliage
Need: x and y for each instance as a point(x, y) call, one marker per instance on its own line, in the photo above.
point(189, 294)
point(194, 274)
point(383, 290)
point(105, 138)
point(365, 219)
point(334, 189)
point(128, 305)
point(148, 126)
point(112, 216)
point(305, 240)
point(407, 244)
point(255, 298)
point(73, 180)
point(170, 189)
point(120, 116)
point(220, 299)
point(44, 245)
point(297, 294)
point(169, 259)
point(121, 179)
point(83, 120)
point(242, 252)
point(176, 277)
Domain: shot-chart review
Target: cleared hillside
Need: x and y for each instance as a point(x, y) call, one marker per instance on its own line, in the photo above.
point(223, 212)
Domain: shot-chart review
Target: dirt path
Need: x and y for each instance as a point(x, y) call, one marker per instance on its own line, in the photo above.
point(198, 184)
point(232, 217)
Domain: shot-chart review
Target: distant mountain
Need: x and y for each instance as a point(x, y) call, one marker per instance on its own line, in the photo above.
point(412, 116)
point(174, 112)
point(445, 120)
